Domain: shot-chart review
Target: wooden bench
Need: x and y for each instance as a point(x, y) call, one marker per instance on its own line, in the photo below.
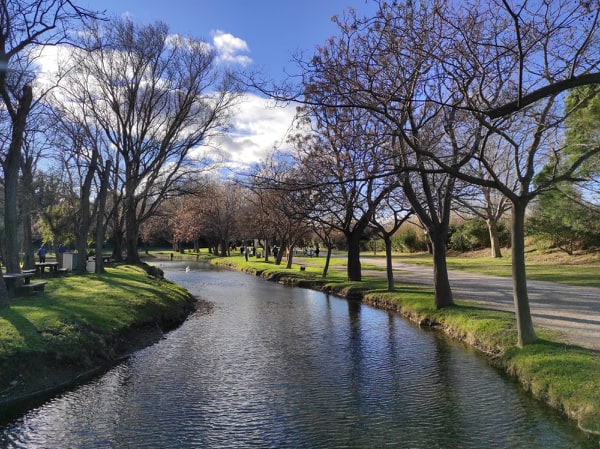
point(31, 288)
point(63, 271)
point(14, 281)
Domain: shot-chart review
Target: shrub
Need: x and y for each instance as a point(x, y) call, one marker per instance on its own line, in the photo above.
point(474, 234)
point(408, 240)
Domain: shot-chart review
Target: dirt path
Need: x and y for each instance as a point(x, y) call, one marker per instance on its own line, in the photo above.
point(572, 312)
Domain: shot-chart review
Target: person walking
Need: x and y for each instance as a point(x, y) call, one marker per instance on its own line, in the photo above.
point(42, 253)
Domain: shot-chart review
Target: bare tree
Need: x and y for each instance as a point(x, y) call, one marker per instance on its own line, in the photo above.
point(484, 201)
point(393, 212)
point(24, 25)
point(328, 235)
point(342, 166)
point(277, 205)
point(185, 217)
point(156, 97)
point(515, 52)
point(382, 66)
point(36, 147)
point(217, 211)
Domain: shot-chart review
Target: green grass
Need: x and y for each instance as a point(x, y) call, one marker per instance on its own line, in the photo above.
point(78, 319)
point(565, 377)
point(556, 268)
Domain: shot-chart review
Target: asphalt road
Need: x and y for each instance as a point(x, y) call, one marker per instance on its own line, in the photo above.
point(572, 312)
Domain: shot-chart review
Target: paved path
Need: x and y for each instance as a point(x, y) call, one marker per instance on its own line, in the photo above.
point(573, 312)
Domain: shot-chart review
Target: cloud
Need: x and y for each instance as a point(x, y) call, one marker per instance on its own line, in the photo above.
point(257, 125)
point(257, 128)
point(229, 48)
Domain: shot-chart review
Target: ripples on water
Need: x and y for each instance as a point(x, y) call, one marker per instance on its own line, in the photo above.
point(274, 367)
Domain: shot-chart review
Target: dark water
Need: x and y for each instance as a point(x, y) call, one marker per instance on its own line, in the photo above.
point(277, 367)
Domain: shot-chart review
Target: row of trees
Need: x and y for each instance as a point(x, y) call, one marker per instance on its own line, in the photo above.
point(409, 113)
point(447, 102)
point(122, 116)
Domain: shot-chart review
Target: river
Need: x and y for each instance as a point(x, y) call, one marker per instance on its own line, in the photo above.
point(269, 366)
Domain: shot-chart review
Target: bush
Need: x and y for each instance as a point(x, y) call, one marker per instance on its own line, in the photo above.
point(407, 240)
point(474, 234)
point(558, 221)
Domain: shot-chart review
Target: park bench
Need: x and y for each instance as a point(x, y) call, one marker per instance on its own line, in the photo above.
point(14, 281)
point(31, 288)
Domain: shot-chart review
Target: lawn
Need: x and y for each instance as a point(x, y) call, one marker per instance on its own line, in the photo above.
point(79, 321)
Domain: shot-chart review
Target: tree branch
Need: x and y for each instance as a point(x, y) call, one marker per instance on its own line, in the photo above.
point(551, 89)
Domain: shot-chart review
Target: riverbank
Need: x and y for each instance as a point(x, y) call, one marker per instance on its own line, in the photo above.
point(566, 377)
point(80, 326)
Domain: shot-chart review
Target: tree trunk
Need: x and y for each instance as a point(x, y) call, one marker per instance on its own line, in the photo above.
point(4, 301)
point(100, 225)
point(29, 255)
point(526, 334)
point(131, 230)
point(267, 250)
point(441, 283)
point(279, 257)
point(290, 257)
point(388, 263)
point(26, 205)
point(494, 238)
point(354, 269)
point(85, 219)
point(327, 259)
point(117, 239)
point(12, 165)
point(223, 245)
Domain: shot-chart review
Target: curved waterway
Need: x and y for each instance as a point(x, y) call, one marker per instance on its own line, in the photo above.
point(269, 366)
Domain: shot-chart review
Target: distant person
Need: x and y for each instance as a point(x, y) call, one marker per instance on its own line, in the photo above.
point(62, 249)
point(246, 252)
point(42, 253)
point(317, 251)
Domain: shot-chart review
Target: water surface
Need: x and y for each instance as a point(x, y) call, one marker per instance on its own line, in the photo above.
point(269, 366)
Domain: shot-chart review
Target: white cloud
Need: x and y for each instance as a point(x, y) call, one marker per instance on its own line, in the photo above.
point(229, 48)
point(257, 125)
point(257, 128)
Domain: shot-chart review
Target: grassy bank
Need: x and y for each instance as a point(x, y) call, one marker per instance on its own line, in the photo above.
point(80, 323)
point(565, 377)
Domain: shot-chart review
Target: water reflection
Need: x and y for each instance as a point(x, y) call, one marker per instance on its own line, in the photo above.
point(274, 367)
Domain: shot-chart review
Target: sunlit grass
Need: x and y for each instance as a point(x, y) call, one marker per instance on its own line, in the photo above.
point(565, 377)
point(77, 317)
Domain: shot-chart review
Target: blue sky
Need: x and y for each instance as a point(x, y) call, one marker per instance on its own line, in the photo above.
point(272, 30)
point(253, 34)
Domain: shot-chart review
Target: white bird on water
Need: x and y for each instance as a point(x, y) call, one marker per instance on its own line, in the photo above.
point(187, 269)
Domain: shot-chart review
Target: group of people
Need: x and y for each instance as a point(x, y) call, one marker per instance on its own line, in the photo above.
point(44, 250)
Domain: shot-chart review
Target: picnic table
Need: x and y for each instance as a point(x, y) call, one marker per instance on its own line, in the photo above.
point(21, 282)
point(40, 268)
